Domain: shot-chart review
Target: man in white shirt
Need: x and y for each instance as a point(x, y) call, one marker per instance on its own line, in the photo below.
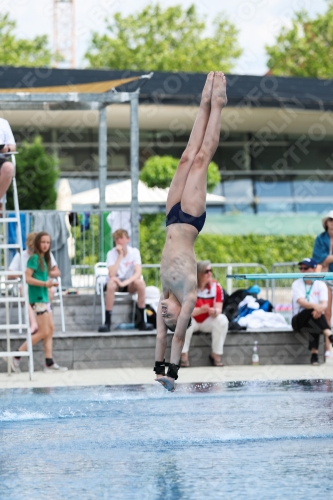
point(309, 305)
point(124, 265)
point(7, 145)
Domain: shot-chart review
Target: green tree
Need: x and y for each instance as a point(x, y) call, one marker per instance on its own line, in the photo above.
point(306, 49)
point(36, 176)
point(170, 39)
point(159, 170)
point(20, 51)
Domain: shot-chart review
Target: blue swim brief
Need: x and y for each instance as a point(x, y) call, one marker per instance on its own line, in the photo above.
point(177, 216)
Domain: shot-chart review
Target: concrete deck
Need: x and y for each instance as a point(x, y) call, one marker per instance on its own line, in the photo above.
point(129, 376)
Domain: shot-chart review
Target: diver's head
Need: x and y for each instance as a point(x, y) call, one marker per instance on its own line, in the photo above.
point(170, 311)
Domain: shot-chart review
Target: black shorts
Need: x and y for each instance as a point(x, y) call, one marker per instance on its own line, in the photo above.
point(122, 289)
point(3, 160)
point(304, 322)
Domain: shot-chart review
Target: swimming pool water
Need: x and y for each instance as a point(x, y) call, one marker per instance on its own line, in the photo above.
point(205, 441)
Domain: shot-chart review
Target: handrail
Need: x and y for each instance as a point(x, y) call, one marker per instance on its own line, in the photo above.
point(229, 267)
point(277, 265)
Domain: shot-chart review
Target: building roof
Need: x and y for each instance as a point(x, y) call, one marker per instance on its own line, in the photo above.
point(119, 194)
point(185, 88)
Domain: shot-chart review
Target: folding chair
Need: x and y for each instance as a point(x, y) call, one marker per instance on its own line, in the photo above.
point(101, 273)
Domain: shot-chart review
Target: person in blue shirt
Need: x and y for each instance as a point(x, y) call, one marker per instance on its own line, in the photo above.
point(323, 254)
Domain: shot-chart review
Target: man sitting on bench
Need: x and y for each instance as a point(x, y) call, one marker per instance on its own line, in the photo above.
point(309, 306)
point(124, 265)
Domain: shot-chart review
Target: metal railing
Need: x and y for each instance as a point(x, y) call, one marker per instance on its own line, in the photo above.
point(81, 239)
point(280, 291)
point(151, 276)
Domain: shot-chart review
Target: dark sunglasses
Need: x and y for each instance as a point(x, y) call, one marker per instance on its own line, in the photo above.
point(303, 268)
point(330, 219)
point(208, 271)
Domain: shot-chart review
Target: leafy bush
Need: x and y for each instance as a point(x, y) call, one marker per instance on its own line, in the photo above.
point(224, 248)
point(265, 250)
point(159, 171)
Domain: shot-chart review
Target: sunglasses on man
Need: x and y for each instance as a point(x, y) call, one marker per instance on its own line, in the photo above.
point(208, 271)
point(303, 268)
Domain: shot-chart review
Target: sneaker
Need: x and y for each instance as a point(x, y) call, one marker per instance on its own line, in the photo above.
point(15, 365)
point(104, 328)
point(55, 368)
point(145, 327)
point(314, 359)
point(327, 354)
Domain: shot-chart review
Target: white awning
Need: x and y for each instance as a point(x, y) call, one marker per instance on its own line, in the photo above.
point(120, 194)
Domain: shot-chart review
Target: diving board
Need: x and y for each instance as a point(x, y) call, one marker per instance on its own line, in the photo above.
point(281, 276)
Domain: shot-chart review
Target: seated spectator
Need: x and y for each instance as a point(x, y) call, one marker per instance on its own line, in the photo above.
point(207, 315)
point(124, 265)
point(309, 304)
point(7, 145)
point(15, 265)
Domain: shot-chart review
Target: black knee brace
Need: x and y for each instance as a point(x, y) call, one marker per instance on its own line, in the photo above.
point(173, 371)
point(159, 367)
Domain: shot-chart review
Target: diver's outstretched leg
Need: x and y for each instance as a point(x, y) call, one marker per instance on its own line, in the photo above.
point(193, 146)
point(193, 200)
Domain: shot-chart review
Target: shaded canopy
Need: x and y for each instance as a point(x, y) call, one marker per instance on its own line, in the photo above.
point(82, 88)
point(120, 193)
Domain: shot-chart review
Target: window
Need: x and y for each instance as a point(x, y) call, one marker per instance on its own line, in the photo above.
point(267, 189)
point(239, 191)
point(276, 207)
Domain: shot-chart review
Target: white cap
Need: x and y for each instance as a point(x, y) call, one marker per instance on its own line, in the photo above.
point(328, 216)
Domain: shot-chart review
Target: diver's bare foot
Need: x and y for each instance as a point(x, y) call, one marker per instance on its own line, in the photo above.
point(167, 382)
point(206, 95)
point(219, 93)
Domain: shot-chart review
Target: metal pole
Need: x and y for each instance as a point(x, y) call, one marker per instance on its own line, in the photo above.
point(5, 236)
point(102, 164)
point(135, 168)
point(102, 155)
point(229, 280)
point(73, 35)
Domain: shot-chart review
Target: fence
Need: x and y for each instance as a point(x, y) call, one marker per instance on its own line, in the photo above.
point(151, 275)
point(281, 295)
point(80, 240)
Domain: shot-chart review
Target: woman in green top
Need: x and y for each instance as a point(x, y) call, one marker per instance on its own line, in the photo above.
point(37, 276)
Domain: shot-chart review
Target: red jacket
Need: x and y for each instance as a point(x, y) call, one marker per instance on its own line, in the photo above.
point(210, 295)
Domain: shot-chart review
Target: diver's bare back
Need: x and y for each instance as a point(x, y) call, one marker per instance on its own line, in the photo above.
point(178, 263)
